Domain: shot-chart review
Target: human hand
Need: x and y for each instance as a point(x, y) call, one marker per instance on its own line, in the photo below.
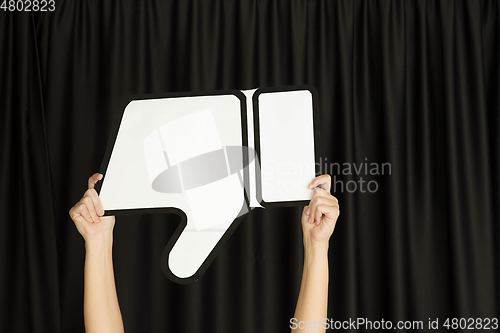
point(87, 215)
point(320, 216)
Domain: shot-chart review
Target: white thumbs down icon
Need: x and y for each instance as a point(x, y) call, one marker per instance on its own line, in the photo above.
point(210, 158)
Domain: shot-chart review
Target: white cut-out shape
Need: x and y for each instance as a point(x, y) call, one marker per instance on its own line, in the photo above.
point(251, 144)
point(190, 136)
point(192, 249)
point(161, 142)
point(286, 133)
point(216, 203)
point(155, 158)
point(213, 208)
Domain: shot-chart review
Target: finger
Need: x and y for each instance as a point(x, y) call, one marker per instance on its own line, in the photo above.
point(334, 199)
point(97, 201)
point(81, 210)
point(94, 179)
point(304, 211)
point(329, 197)
point(324, 180)
point(331, 212)
point(312, 206)
point(317, 192)
point(72, 212)
point(89, 203)
point(323, 193)
point(326, 199)
point(316, 200)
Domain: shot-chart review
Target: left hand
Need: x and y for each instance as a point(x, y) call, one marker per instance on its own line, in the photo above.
point(88, 216)
point(320, 216)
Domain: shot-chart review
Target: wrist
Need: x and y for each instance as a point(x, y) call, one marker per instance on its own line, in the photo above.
point(313, 244)
point(314, 249)
point(315, 258)
point(99, 242)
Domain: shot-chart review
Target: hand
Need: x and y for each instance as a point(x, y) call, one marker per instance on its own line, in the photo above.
point(320, 216)
point(87, 216)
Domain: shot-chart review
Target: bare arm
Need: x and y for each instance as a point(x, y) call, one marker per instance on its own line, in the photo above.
point(318, 222)
point(101, 309)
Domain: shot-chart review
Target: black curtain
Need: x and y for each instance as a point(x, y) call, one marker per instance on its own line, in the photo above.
point(412, 83)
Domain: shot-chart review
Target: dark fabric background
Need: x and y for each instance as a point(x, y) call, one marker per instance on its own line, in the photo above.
point(411, 83)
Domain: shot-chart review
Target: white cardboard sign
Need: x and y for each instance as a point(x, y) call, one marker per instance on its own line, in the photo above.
point(210, 158)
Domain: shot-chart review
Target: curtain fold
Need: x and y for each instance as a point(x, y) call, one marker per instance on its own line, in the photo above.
point(413, 84)
point(29, 280)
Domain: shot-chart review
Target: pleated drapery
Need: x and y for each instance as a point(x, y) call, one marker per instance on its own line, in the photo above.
point(410, 84)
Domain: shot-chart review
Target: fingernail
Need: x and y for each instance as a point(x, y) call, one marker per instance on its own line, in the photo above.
point(311, 186)
point(308, 211)
point(310, 219)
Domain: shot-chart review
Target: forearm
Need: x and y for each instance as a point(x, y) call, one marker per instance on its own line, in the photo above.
point(101, 309)
point(313, 297)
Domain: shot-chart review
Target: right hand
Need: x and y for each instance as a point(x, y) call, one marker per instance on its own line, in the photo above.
point(320, 216)
point(87, 215)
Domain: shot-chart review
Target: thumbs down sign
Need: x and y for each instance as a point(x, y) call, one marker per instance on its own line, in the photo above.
point(210, 158)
